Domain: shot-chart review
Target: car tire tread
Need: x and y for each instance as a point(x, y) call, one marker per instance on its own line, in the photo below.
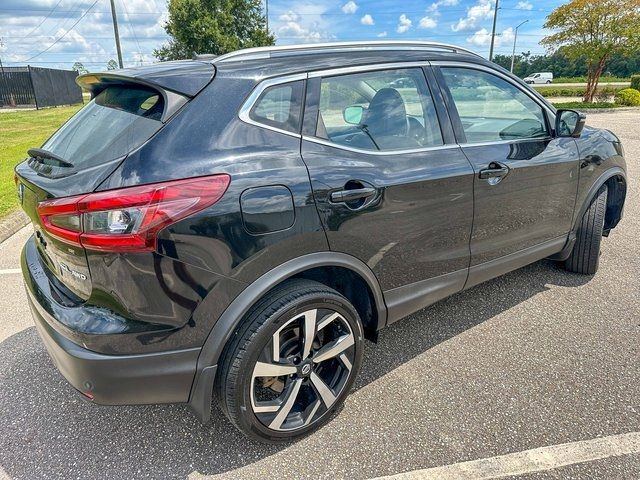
point(585, 255)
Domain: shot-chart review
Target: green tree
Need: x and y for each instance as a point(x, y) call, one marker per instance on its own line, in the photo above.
point(79, 67)
point(213, 26)
point(112, 65)
point(595, 30)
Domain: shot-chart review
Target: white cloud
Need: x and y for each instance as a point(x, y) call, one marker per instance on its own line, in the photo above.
point(404, 24)
point(292, 27)
point(382, 34)
point(367, 20)
point(350, 7)
point(482, 37)
point(90, 41)
point(482, 10)
point(525, 5)
point(427, 22)
point(442, 3)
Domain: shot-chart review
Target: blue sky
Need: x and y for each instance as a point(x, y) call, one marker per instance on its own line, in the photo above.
point(57, 33)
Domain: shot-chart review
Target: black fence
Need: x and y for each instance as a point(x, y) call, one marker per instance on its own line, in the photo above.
point(39, 87)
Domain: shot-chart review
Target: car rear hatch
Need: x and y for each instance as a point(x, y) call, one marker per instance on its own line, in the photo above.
point(124, 113)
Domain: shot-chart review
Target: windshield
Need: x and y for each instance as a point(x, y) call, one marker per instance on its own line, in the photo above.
point(118, 120)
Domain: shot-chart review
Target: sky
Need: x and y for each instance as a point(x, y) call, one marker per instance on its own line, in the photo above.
point(57, 33)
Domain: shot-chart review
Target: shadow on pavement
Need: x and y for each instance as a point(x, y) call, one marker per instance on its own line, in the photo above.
point(47, 431)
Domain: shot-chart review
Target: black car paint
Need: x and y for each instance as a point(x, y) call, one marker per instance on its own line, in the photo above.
point(211, 267)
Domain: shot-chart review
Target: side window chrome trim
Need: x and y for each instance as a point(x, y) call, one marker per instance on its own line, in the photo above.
point(503, 142)
point(372, 67)
point(483, 68)
point(255, 94)
point(329, 143)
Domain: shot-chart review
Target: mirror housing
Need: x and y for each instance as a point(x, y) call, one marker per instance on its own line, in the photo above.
point(353, 114)
point(569, 123)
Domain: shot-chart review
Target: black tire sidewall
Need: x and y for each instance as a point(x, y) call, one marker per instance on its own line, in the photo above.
point(247, 420)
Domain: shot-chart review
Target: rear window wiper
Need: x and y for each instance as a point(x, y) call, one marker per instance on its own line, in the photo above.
point(46, 157)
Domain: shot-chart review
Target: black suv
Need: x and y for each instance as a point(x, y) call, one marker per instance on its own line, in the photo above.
point(234, 227)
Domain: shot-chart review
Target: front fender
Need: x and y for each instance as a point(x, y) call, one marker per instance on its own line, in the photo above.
point(601, 157)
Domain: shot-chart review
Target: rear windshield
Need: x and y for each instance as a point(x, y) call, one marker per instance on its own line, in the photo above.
point(118, 120)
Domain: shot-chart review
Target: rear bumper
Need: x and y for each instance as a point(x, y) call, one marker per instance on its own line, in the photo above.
point(163, 377)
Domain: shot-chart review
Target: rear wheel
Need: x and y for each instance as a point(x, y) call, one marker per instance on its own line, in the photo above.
point(292, 363)
point(586, 251)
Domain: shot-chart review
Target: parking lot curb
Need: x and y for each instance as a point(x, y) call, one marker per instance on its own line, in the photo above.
point(12, 223)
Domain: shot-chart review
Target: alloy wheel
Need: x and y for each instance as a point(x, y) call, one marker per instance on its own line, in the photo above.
point(302, 371)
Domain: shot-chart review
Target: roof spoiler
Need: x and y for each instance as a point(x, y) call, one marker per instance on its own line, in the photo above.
point(97, 82)
point(185, 77)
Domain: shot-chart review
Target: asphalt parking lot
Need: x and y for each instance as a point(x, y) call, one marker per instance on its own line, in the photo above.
point(537, 358)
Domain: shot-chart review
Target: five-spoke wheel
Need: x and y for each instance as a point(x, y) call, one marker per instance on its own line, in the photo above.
point(304, 368)
point(293, 363)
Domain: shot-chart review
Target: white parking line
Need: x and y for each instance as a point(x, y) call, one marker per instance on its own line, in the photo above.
point(530, 461)
point(8, 271)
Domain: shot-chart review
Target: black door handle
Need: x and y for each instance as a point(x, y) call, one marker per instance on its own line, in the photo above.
point(495, 170)
point(344, 196)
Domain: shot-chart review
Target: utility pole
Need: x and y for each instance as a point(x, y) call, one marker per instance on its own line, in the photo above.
point(515, 39)
point(266, 2)
point(115, 32)
point(1, 45)
point(493, 30)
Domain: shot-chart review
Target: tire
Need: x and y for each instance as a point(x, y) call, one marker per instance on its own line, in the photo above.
point(255, 386)
point(586, 251)
point(548, 82)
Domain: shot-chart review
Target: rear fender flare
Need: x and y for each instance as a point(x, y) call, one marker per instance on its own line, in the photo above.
point(202, 388)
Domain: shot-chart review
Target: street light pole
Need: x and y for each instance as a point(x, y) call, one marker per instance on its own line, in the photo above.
point(515, 39)
point(493, 30)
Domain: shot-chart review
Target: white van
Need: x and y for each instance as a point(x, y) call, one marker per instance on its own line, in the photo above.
point(541, 77)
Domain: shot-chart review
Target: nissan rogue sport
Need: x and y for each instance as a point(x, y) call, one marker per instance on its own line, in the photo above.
point(234, 227)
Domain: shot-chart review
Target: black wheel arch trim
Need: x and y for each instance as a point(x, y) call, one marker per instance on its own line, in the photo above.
point(601, 180)
point(202, 388)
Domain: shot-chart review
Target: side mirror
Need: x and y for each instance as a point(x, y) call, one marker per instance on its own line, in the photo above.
point(353, 114)
point(569, 123)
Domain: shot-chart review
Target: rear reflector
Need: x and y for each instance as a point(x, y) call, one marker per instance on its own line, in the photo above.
point(128, 219)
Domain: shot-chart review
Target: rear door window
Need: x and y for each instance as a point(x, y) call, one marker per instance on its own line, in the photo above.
point(118, 120)
point(381, 110)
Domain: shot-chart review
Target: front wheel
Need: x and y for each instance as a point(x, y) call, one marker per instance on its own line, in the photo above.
point(586, 251)
point(292, 362)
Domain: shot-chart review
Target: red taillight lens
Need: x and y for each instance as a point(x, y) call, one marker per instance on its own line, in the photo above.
point(128, 218)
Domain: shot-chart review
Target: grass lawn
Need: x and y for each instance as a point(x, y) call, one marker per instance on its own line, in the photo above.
point(20, 131)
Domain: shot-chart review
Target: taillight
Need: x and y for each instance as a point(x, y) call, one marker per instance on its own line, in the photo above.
point(128, 219)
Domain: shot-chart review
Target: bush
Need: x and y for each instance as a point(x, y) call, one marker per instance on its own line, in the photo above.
point(629, 97)
point(635, 82)
point(584, 106)
point(604, 94)
point(603, 79)
point(550, 92)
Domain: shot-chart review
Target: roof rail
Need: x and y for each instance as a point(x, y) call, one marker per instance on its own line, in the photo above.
point(268, 52)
